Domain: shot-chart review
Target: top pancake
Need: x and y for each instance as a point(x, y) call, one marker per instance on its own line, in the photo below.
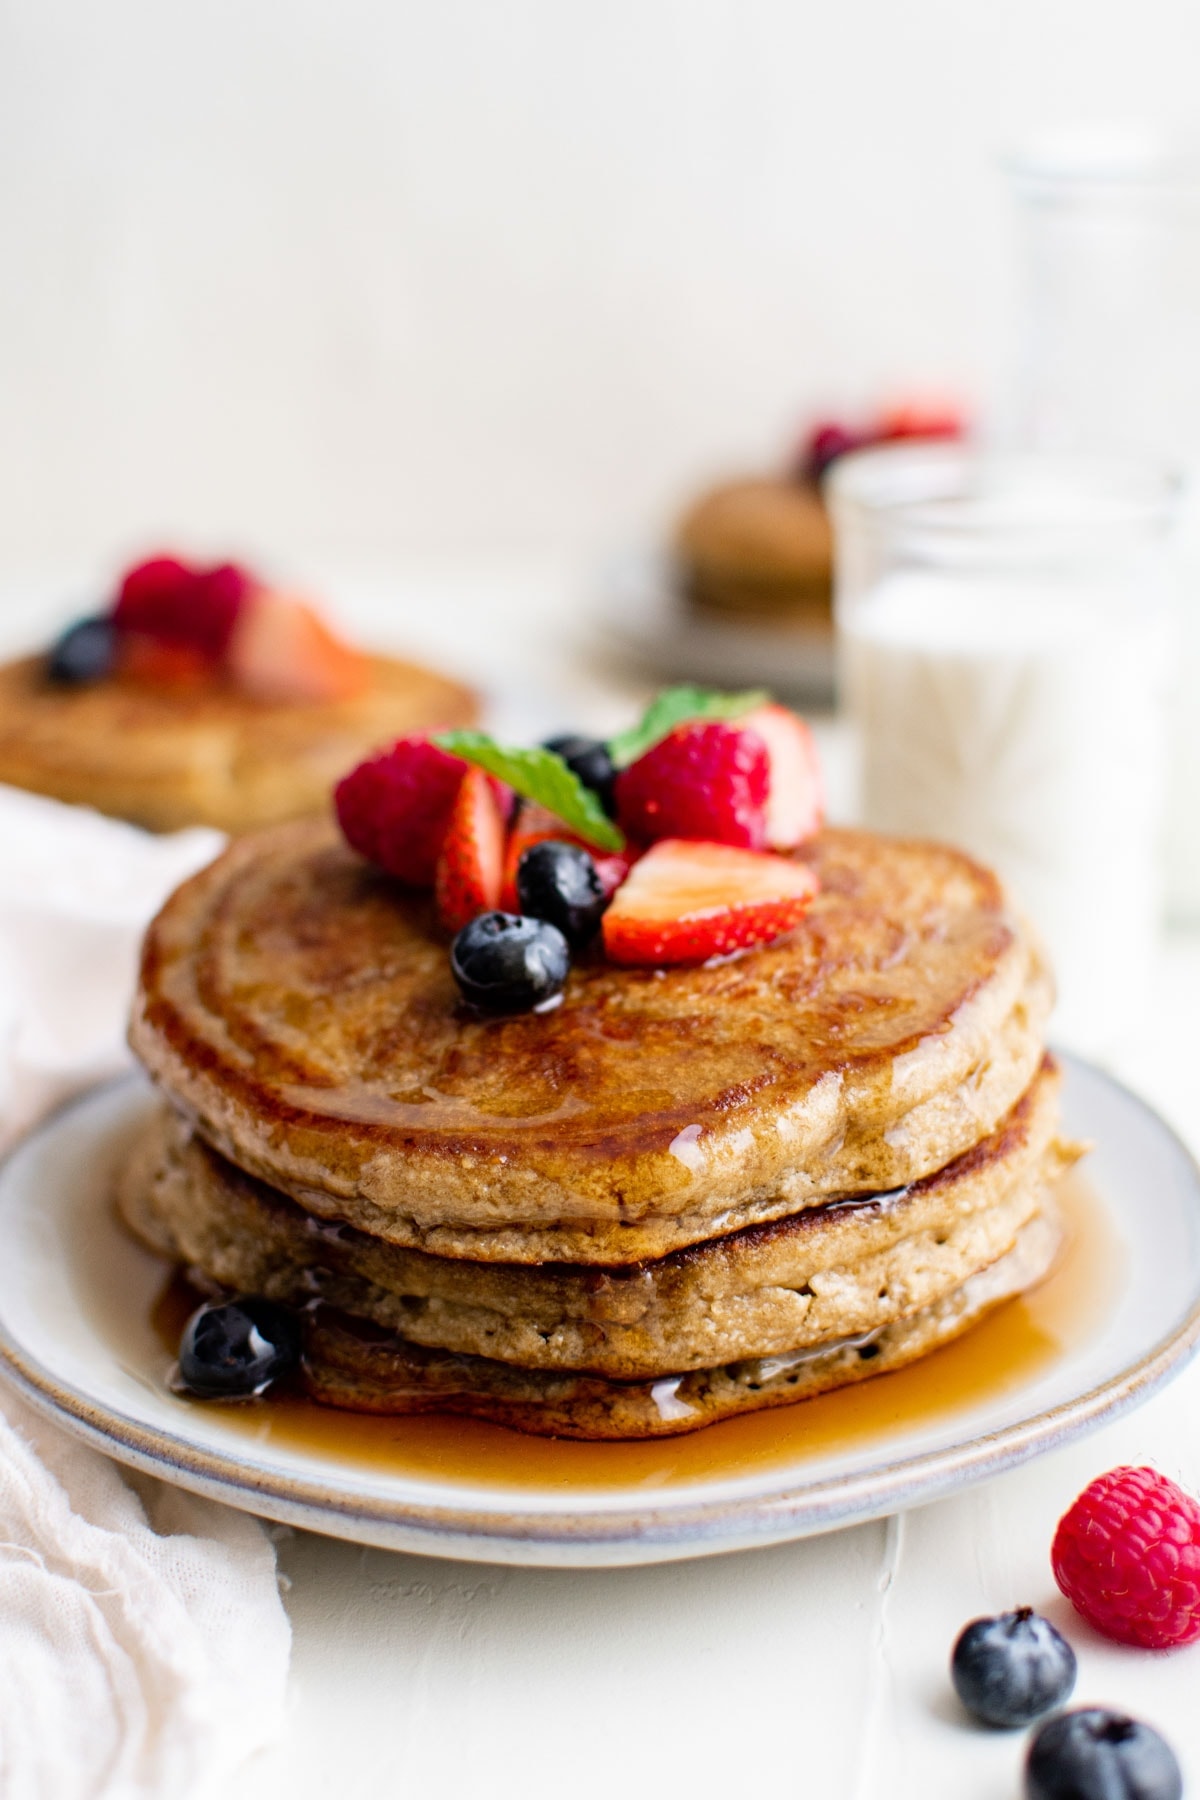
point(169, 757)
point(300, 1008)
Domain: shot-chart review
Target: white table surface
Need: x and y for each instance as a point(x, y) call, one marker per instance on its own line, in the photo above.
point(814, 1669)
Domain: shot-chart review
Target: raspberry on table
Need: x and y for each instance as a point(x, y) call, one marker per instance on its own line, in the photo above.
point(1127, 1556)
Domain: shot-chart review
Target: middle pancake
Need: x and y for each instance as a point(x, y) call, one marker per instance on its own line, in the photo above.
point(830, 1271)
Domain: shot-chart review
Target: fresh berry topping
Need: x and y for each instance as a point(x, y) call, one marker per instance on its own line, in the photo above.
point(1092, 1754)
point(589, 759)
point(86, 651)
point(157, 662)
point(558, 882)
point(795, 789)
point(505, 964)
point(283, 650)
point(824, 444)
point(395, 808)
point(469, 870)
point(238, 1348)
point(918, 419)
point(1127, 1556)
point(534, 825)
point(684, 902)
point(1011, 1669)
point(199, 608)
point(149, 591)
point(703, 781)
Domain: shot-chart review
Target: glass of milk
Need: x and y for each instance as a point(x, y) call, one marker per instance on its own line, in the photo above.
point(1004, 641)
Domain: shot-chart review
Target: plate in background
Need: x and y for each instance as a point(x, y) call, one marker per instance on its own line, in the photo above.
point(646, 623)
point(77, 1296)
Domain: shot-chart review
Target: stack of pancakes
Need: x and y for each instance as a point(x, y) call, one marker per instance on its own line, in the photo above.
point(680, 1195)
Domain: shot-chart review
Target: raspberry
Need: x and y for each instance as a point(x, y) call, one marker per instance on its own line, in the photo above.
point(1127, 1556)
point(703, 781)
point(395, 808)
point(165, 599)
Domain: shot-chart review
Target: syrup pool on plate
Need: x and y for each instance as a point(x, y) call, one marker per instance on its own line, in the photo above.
point(1011, 1346)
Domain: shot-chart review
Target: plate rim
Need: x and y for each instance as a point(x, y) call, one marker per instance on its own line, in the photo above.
point(599, 1534)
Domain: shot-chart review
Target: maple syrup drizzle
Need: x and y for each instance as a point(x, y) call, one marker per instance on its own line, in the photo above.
point(1009, 1347)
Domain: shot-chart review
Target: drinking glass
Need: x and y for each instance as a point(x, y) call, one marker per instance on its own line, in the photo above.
point(1109, 361)
point(1003, 627)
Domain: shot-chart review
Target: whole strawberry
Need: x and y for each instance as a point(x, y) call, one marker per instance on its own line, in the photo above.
point(395, 808)
point(702, 781)
point(1127, 1556)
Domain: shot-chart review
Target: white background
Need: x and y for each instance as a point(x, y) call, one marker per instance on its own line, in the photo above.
point(381, 277)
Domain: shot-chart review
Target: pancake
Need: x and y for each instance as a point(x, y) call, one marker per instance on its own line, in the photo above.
point(826, 1273)
point(299, 1009)
point(761, 548)
point(348, 1365)
point(166, 758)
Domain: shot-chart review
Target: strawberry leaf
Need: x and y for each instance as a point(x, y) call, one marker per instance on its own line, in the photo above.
point(542, 776)
point(679, 706)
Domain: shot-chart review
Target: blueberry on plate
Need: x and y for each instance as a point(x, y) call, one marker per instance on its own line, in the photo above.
point(506, 964)
point(558, 882)
point(589, 759)
point(1008, 1671)
point(86, 651)
point(235, 1349)
point(1093, 1754)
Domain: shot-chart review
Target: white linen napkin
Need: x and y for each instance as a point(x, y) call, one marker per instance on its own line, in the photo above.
point(143, 1644)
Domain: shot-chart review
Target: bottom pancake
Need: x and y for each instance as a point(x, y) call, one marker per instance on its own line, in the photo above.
point(349, 1365)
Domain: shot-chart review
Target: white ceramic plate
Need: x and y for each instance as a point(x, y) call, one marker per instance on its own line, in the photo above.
point(75, 1336)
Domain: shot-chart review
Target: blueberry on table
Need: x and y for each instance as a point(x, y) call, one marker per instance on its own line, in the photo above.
point(86, 651)
point(559, 883)
point(506, 964)
point(1093, 1754)
point(1010, 1670)
point(235, 1349)
point(589, 759)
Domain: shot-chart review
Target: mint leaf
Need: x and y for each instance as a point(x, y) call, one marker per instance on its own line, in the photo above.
point(679, 706)
point(541, 776)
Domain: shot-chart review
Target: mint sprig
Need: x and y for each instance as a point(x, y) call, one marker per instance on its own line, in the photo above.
point(541, 776)
point(679, 706)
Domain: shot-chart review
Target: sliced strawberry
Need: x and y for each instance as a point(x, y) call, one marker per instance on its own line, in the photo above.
point(164, 598)
point(471, 863)
point(156, 662)
point(920, 419)
point(282, 650)
point(704, 780)
point(395, 808)
point(684, 902)
point(796, 789)
point(534, 825)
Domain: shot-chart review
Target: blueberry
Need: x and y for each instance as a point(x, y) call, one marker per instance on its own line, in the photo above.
point(1010, 1670)
point(558, 882)
point(86, 651)
point(506, 964)
point(1092, 1754)
point(589, 759)
point(232, 1349)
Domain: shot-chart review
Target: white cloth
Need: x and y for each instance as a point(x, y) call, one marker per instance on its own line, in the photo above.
point(76, 892)
point(143, 1643)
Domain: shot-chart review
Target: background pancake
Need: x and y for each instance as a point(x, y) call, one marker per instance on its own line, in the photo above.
point(300, 1009)
point(169, 758)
